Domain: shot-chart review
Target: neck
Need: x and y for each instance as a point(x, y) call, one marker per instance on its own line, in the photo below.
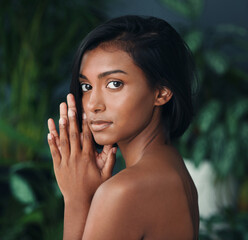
point(150, 137)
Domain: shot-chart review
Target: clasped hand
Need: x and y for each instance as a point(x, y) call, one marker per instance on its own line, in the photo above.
point(78, 167)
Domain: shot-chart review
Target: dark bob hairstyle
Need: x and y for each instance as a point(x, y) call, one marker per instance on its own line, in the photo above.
point(160, 52)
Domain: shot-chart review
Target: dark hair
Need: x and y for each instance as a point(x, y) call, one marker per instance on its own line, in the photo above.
point(162, 55)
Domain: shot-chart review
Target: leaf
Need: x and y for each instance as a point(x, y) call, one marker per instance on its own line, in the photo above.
point(234, 115)
point(228, 158)
point(189, 9)
point(217, 62)
point(32, 217)
point(194, 40)
point(209, 115)
point(200, 150)
point(216, 145)
point(231, 29)
point(19, 137)
point(21, 190)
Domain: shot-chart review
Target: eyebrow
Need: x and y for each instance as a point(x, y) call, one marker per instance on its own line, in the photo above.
point(104, 74)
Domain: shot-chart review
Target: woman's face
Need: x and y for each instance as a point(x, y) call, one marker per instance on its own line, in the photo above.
point(116, 97)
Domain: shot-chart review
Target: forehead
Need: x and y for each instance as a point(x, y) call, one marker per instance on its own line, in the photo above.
point(103, 59)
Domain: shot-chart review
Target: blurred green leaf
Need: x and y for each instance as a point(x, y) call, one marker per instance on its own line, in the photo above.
point(188, 8)
point(228, 158)
point(194, 40)
point(13, 134)
point(33, 217)
point(216, 61)
point(217, 141)
point(200, 150)
point(21, 189)
point(209, 115)
point(231, 29)
point(234, 114)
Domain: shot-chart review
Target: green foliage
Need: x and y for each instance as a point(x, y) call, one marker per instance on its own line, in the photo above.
point(219, 131)
point(37, 43)
point(21, 190)
point(228, 225)
point(31, 205)
point(187, 8)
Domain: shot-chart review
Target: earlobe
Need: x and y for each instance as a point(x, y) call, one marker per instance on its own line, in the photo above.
point(163, 95)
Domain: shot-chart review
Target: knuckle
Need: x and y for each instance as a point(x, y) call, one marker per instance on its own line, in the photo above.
point(87, 136)
point(74, 135)
point(54, 154)
point(62, 126)
point(87, 157)
point(63, 142)
point(75, 156)
point(62, 122)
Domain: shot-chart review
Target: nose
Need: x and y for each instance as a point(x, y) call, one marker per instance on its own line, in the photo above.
point(94, 101)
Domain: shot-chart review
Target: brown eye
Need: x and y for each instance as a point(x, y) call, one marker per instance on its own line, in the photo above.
point(114, 84)
point(86, 87)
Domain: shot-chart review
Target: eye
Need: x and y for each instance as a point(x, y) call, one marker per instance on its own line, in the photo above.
point(86, 87)
point(114, 84)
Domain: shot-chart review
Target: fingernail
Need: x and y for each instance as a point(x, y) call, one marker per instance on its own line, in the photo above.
point(49, 136)
point(62, 121)
point(71, 113)
point(84, 116)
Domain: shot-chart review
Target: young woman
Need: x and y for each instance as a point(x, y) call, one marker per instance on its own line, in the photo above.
point(132, 86)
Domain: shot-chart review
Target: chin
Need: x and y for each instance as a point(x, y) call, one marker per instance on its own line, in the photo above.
point(104, 140)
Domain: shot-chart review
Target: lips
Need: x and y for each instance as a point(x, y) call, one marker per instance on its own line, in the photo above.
point(99, 125)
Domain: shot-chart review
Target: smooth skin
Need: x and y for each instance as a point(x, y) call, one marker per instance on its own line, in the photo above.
point(147, 200)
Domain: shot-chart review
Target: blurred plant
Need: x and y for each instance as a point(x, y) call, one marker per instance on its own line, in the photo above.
point(219, 132)
point(36, 52)
point(31, 203)
point(37, 43)
point(228, 224)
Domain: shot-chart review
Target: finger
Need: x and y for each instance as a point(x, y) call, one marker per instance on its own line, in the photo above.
point(63, 110)
point(101, 158)
point(73, 125)
point(71, 102)
point(106, 149)
point(87, 138)
point(53, 130)
point(54, 150)
point(63, 132)
point(109, 164)
point(100, 163)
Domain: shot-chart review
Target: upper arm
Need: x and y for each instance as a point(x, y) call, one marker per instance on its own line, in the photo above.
point(113, 214)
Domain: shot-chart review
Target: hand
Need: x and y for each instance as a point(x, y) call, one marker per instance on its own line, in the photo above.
point(78, 167)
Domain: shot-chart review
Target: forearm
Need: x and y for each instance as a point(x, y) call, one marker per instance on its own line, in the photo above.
point(75, 215)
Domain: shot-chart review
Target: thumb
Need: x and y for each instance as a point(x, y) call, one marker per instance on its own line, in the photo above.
point(109, 164)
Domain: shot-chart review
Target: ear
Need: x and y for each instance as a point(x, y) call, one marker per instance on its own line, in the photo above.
point(163, 95)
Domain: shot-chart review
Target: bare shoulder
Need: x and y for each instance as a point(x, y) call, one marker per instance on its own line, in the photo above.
point(170, 196)
point(145, 201)
point(152, 178)
point(113, 212)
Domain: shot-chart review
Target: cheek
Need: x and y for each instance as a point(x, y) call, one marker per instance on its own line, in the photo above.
point(134, 113)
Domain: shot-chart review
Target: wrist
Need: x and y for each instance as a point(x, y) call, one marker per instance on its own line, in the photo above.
point(77, 203)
